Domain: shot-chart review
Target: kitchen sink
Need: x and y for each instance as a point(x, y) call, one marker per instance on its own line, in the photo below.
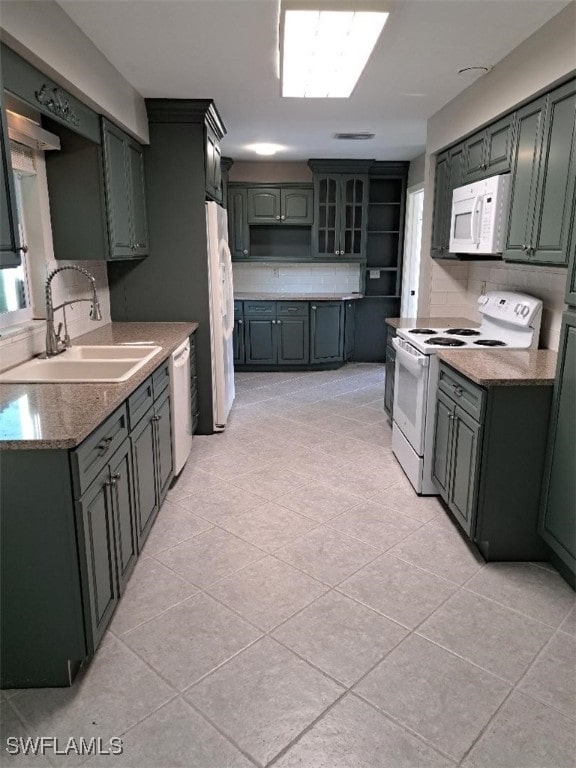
point(89, 364)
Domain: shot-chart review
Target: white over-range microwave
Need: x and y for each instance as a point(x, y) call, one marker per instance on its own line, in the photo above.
point(480, 216)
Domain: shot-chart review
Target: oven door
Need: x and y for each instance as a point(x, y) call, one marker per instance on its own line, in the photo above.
point(410, 393)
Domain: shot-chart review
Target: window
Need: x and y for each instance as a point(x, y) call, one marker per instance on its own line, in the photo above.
point(21, 288)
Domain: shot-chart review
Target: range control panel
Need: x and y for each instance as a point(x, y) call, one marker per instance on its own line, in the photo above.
point(511, 307)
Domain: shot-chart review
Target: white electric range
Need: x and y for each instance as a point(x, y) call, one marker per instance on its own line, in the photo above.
point(509, 321)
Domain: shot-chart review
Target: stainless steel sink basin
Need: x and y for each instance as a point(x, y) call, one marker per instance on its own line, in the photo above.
point(89, 364)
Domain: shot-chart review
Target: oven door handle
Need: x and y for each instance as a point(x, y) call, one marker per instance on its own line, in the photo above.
point(413, 361)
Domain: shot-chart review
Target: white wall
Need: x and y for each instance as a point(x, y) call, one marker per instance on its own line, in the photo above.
point(416, 170)
point(449, 288)
point(43, 34)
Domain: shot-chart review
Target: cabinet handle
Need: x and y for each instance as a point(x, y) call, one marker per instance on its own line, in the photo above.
point(273, 322)
point(23, 248)
point(278, 218)
point(104, 444)
point(156, 418)
point(458, 391)
point(278, 321)
point(245, 251)
point(240, 322)
point(313, 306)
point(283, 217)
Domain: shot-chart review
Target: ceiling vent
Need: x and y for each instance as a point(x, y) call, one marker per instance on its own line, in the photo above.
point(362, 136)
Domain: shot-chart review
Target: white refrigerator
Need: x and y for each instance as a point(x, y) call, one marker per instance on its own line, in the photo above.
point(221, 314)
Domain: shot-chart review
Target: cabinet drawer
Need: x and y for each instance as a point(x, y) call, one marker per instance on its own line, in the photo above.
point(260, 308)
point(462, 391)
point(91, 455)
point(140, 401)
point(292, 309)
point(160, 380)
point(238, 309)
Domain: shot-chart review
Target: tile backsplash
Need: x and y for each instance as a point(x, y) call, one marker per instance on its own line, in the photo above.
point(455, 289)
point(297, 278)
point(22, 343)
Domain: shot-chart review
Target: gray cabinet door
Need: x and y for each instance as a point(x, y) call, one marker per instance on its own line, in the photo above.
point(163, 444)
point(238, 342)
point(238, 223)
point(264, 206)
point(116, 174)
point(464, 468)
point(558, 515)
point(441, 212)
point(297, 206)
point(10, 245)
point(570, 295)
point(474, 157)
point(260, 340)
point(138, 199)
point(327, 332)
point(326, 230)
point(353, 216)
point(499, 142)
point(349, 329)
point(293, 340)
point(122, 491)
point(555, 197)
point(212, 167)
point(100, 585)
point(145, 486)
point(443, 443)
point(524, 179)
point(389, 380)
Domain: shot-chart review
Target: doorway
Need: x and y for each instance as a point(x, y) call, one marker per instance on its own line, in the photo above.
point(412, 247)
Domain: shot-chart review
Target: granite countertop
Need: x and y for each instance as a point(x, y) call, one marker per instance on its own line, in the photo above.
point(263, 296)
point(433, 322)
point(491, 367)
point(34, 416)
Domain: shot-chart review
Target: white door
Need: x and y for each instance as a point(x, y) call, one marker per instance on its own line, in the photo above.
point(412, 246)
point(410, 393)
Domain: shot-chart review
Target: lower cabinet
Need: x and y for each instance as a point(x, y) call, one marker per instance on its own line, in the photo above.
point(488, 461)
point(194, 400)
point(69, 544)
point(558, 512)
point(390, 367)
point(326, 332)
point(349, 329)
point(107, 515)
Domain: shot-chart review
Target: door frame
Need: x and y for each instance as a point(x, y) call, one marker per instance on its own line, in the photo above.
point(412, 249)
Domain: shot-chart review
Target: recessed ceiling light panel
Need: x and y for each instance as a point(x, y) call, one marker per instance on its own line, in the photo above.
point(325, 51)
point(266, 149)
point(359, 136)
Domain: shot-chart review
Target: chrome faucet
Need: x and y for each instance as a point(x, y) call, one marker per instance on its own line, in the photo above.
point(54, 344)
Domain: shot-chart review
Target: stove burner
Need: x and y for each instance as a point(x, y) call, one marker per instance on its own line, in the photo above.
point(422, 330)
point(463, 332)
point(443, 341)
point(490, 343)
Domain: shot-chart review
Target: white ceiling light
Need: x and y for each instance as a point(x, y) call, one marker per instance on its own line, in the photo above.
point(265, 149)
point(325, 51)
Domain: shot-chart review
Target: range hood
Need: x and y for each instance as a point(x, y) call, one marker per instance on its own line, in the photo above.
point(27, 132)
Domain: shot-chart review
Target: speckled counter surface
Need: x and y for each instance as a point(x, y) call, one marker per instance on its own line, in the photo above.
point(491, 367)
point(430, 322)
point(261, 296)
point(34, 416)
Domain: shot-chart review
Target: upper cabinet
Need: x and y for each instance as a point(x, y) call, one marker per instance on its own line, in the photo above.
point(537, 145)
point(543, 179)
point(280, 205)
point(213, 164)
point(489, 152)
point(340, 216)
point(10, 245)
point(238, 232)
point(125, 197)
point(449, 176)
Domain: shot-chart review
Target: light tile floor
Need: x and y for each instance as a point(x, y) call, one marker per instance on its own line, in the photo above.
point(297, 604)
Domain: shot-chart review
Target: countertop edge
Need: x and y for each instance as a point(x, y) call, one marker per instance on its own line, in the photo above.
point(125, 388)
point(267, 296)
point(541, 361)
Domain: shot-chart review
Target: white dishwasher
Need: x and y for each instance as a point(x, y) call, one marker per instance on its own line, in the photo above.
point(181, 405)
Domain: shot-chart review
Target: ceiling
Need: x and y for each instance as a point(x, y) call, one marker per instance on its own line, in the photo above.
point(227, 50)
